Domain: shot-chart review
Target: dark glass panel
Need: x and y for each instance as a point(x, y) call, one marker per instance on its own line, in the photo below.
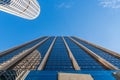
point(59, 59)
point(44, 47)
point(85, 61)
point(113, 60)
point(15, 52)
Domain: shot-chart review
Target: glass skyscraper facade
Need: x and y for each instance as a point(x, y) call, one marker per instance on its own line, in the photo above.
point(47, 56)
point(28, 9)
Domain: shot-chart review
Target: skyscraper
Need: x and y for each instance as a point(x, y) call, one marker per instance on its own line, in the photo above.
point(65, 56)
point(28, 9)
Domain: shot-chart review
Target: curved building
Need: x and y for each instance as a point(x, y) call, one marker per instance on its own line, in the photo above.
point(28, 9)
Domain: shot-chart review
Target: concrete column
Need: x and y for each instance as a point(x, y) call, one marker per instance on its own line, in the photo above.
point(95, 56)
point(43, 63)
point(74, 62)
point(11, 62)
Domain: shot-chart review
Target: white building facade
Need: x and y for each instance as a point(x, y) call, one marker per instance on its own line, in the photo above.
point(28, 9)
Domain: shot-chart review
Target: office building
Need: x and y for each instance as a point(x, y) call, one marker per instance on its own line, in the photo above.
point(51, 58)
point(28, 9)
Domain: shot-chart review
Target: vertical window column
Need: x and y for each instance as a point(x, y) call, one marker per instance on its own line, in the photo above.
point(85, 61)
point(105, 55)
point(73, 60)
point(95, 56)
point(6, 65)
point(58, 59)
point(43, 63)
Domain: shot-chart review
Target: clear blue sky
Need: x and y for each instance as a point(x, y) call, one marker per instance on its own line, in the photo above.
point(97, 21)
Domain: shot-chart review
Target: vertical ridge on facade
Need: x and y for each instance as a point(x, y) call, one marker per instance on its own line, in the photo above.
point(17, 47)
point(98, 58)
point(9, 63)
point(42, 65)
point(105, 55)
point(74, 62)
point(47, 57)
point(101, 48)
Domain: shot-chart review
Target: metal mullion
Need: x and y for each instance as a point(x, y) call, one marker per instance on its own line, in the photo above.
point(37, 7)
point(18, 11)
point(95, 56)
point(29, 10)
point(26, 9)
point(6, 9)
point(43, 63)
point(73, 60)
point(32, 7)
point(29, 7)
point(117, 55)
point(17, 47)
point(22, 7)
point(15, 4)
point(20, 56)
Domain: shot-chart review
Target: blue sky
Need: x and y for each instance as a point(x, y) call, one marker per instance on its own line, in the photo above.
point(97, 21)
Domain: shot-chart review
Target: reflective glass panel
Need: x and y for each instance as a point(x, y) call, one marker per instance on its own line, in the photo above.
point(85, 61)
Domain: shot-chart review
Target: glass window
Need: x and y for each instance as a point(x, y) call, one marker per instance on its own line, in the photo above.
point(113, 60)
point(85, 61)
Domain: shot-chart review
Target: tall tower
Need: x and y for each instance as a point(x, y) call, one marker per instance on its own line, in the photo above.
point(28, 9)
point(58, 54)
